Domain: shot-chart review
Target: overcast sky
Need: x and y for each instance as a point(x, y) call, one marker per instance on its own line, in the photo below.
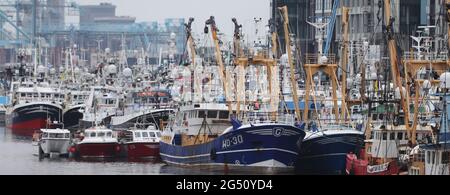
point(223, 10)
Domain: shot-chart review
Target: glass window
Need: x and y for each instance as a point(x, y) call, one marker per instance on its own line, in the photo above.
point(374, 117)
point(67, 135)
point(385, 136)
point(44, 135)
point(392, 137)
point(201, 114)
point(137, 134)
point(22, 95)
point(152, 135)
point(445, 157)
point(109, 134)
point(53, 135)
point(400, 136)
point(224, 115)
point(101, 134)
point(212, 114)
point(144, 134)
point(433, 157)
point(158, 134)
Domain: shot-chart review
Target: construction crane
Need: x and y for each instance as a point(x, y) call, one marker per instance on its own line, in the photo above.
point(18, 5)
point(294, 87)
point(330, 29)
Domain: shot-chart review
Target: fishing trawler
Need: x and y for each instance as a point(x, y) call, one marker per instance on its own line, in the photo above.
point(36, 105)
point(209, 135)
point(143, 107)
point(328, 137)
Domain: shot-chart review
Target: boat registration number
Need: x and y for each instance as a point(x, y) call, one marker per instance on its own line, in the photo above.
point(232, 141)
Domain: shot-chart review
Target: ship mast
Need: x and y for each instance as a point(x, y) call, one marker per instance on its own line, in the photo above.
point(190, 41)
point(238, 52)
point(294, 87)
point(395, 63)
point(344, 61)
point(212, 23)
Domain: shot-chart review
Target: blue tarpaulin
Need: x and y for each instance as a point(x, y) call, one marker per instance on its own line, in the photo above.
point(290, 105)
point(4, 100)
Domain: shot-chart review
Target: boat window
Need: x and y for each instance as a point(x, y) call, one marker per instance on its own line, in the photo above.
point(144, 134)
point(433, 157)
point(392, 137)
point(152, 135)
point(67, 135)
point(35, 95)
point(371, 135)
point(93, 134)
point(44, 135)
point(109, 134)
point(137, 134)
point(406, 136)
point(42, 95)
point(201, 114)
point(400, 136)
point(224, 115)
point(428, 157)
point(22, 95)
point(445, 157)
point(158, 134)
point(212, 114)
point(374, 117)
point(101, 134)
point(384, 136)
point(29, 95)
point(53, 135)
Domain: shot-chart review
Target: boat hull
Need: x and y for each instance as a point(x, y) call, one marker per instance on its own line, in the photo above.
point(2, 117)
point(57, 146)
point(97, 150)
point(327, 154)
point(72, 118)
point(271, 147)
point(31, 118)
point(141, 150)
point(126, 122)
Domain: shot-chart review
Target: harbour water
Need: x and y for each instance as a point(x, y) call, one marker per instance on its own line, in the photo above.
point(17, 158)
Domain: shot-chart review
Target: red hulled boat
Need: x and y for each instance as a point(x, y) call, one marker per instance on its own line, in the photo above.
point(140, 144)
point(98, 142)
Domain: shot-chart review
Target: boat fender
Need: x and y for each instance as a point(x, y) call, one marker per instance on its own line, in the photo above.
point(213, 154)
